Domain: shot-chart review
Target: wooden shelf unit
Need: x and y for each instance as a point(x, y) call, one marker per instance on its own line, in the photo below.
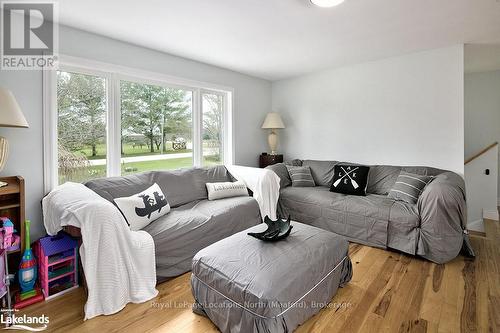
point(12, 205)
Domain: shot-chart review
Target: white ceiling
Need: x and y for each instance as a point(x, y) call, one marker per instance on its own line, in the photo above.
point(276, 39)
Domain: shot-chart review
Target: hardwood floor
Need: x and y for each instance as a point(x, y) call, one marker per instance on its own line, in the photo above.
point(389, 292)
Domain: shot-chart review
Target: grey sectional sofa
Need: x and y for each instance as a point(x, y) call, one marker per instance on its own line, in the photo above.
point(193, 222)
point(433, 228)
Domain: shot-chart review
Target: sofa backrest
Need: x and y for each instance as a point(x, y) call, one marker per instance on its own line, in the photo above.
point(321, 171)
point(282, 172)
point(380, 179)
point(180, 186)
point(185, 185)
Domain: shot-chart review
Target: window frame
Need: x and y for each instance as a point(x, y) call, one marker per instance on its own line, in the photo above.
point(114, 74)
point(225, 129)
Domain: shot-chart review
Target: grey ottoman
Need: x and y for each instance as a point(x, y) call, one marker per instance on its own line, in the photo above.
point(246, 285)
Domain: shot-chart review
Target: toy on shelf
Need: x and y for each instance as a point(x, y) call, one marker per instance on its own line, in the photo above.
point(4, 284)
point(4, 270)
point(10, 241)
point(58, 264)
point(27, 276)
point(5, 297)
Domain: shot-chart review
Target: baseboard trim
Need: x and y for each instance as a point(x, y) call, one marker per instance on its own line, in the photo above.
point(477, 233)
point(477, 225)
point(490, 214)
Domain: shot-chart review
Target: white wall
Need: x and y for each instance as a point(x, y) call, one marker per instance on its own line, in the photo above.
point(252, 100)
point(482, 113)
point(481, 191)
point(404, 110)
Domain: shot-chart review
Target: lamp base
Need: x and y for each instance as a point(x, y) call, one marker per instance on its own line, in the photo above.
point(272, 140)
point(4, 152)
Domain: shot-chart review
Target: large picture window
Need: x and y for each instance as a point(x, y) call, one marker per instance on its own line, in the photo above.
point(157, 127)
point(212, 131)
point(109, 123)
point(81, 126)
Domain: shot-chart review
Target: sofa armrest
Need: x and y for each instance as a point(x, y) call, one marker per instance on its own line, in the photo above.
point(442, 210)
point(282, 172)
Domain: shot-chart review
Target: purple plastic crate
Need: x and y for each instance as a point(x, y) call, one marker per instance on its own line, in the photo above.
point(56, 244)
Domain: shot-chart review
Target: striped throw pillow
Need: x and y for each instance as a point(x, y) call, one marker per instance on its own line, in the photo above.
point(300, 176)
point(409, 186)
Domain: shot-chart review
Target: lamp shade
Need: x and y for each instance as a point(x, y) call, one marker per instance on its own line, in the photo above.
point(10, 112)
point(273, 120)
point(327, 3)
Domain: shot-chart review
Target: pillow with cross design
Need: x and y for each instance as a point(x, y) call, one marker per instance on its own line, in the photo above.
point(350, 179)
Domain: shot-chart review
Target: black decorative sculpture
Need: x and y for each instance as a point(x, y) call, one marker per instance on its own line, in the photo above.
point(276, 230)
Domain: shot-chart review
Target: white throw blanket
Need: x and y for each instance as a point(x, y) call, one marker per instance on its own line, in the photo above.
point(265, 185)
point(119, 264)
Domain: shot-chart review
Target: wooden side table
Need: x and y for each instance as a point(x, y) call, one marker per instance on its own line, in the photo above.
point(265, 160)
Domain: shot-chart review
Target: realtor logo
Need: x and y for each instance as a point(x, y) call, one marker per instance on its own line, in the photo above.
point(11, 320)
point(29, 34)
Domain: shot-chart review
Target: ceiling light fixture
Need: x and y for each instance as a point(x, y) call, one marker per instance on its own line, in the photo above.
point(326, 3)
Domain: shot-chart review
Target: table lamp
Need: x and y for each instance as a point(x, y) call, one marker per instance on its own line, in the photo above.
point(273, 121)
point(10, 116)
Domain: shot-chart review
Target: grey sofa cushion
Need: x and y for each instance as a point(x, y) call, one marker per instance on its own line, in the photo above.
point(295, 162)
point(409, 186)
point(298, 198)
point(118, 187)
point(180, 186)
point(423, 170)
point(187, 229)
point(322, 171)
point(361, 219)
point(185, 185)
point(301, 176)
point(382, 178)
point(282, 172)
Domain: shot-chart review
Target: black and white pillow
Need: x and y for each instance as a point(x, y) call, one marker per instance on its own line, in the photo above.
point(226, 190)
point(409, 186)
point(300, 176)
point(350, 179)
point(143, 208)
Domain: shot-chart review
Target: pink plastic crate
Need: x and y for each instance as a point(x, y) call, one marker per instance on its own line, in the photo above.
point(57, 264)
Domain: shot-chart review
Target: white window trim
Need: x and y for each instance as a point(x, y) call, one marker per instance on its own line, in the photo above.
point(114, 74)
point(227, 130)
point(50, 172)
